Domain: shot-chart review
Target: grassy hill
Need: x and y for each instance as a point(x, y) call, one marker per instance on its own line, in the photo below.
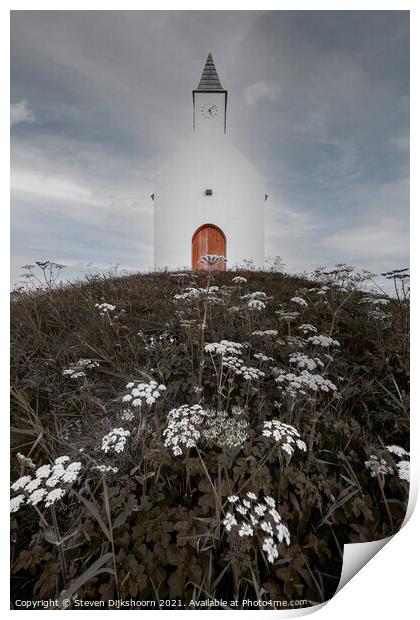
point(274, 403)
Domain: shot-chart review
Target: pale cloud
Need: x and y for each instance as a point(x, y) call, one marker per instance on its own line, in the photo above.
point(318, 101)
point(370, 241)
point(260, 90)
point(20, 112)
point(38, 185)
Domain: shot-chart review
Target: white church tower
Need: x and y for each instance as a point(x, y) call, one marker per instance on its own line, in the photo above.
point(209, 199)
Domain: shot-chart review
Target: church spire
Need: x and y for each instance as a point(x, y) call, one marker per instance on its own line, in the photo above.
point(209, 79)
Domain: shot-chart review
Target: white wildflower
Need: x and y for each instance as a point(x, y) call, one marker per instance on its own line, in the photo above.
point(251, 374)
point(25, 460)
point(269, 501)
point(192, 293)
point(261, 357)
point(303, 361)
point(256, 304)
point(226, 431)
point(246, 530)
point(299, 384)
point(270, 549)
point(43, 472)
point(115, 440)
point(53, 496)
point(20, 483)
point(260, 509)
point(377, 466)
point(239, 280)
point(376, 301)
point(403, 468)
point(229, 521)
point(141, 392)
point(71, 472)
point(77, 370)
point(258, 518)
point(106, 469)
point(183, 429)
point(33, 484)
point(16, 502)
point(37, 496)
point(225, 346)
point(212, 259)
point(127, 415)
point(105, 308)
point(299, 300)
point(283, 533)
point(323, 341)
point(267, 527)
point(307, 328)
point(287, 316)
point(259, 295)
point(398, 451)
point(265, 332)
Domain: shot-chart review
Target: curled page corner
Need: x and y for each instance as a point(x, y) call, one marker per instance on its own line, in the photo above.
point(356, 555)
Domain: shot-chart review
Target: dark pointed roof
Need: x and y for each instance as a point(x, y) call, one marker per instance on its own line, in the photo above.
point(210, 79)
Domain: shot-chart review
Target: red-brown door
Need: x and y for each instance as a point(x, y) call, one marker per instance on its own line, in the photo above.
point(208, 240)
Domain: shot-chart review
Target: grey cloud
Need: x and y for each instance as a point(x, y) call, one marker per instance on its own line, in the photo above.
point(318, 100)
point(20, 112)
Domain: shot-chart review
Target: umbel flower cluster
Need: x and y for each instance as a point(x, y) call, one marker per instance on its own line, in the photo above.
point(183, 427)
point(256, 300)
point(49, 484)
point(323, 341)
point(304, 362)
point(272, 333)
point(224, 429)
point(225, 347)
point(403, 466)
point(77, 370)
point(104, 308)
point(239, 280)
point(379, 467)
point(260, 519)
point(299, 300)
point(305, 382)
point(115, 440)
point(140, 392)
point(189, 424)
point(212, 259)
point(230, 355)
point(195, 293)
point(285, 434)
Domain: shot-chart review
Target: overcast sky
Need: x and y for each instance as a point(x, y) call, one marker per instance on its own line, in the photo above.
point(319, 101)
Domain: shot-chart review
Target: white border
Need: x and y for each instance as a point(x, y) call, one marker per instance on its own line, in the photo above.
point(386, 586)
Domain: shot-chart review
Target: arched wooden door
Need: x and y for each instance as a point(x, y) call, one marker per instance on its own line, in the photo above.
point(208, 239)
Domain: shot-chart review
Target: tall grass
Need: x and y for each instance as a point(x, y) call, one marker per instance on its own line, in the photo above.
point(154, 530)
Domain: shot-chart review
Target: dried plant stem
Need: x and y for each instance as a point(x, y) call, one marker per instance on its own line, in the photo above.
point(111, 532)
point(59, 546)
point(381, 481)
point(218, 501)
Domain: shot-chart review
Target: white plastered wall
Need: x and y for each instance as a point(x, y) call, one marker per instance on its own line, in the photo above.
point(237, 205)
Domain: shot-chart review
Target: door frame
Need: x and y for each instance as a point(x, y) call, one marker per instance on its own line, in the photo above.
point(208, 225)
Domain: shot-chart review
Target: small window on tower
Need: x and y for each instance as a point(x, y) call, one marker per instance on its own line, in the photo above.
point(209, 192)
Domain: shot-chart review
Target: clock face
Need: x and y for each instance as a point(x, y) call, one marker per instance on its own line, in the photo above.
point(209, 110)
